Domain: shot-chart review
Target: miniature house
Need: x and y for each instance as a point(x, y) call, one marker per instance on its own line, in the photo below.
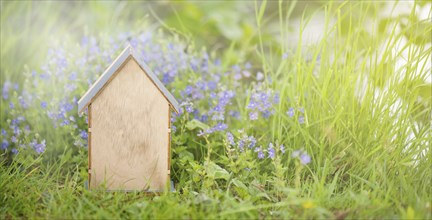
point(128, 127)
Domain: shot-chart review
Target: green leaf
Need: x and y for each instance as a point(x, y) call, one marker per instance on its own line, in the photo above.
point(216, 171)
point(193, 124)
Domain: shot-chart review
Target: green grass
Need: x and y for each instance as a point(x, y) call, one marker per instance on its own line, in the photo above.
point(367, 102)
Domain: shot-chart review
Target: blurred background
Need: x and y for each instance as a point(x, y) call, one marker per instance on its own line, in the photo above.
point(29, 28)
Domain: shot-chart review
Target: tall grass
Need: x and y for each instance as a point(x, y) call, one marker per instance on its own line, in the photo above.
point(367, 108)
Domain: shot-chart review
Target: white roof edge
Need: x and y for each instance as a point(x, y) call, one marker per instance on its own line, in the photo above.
point(118, 62)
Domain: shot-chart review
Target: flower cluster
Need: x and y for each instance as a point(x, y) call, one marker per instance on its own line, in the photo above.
point(249, 143)
point(207, 92)
point(262, 101)
point(16, 138)
point(299, 113)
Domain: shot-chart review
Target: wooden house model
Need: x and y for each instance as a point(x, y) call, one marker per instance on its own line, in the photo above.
point(128, 127)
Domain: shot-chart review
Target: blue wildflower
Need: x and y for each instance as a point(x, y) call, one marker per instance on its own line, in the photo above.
point(261, 155)
point(84, 134)
point(73, 76)
point(39, 148)
point(14, 151)
point(220, 127)
point(253, 115)
point(271, 151)
point(266, 113)
point(5, 144)
point(230, 138)
point(301, 119)
point(305, 158)
point(290, 112)
point(16, 130)
point(302, 155)
point(3, 132)
point(241, 144)
point(44, 104)
point(282, 148)
point(22, 102)
point(5, 90)
point(252, 141)
point(276, 98)
point(189, 109)
point(14, 139)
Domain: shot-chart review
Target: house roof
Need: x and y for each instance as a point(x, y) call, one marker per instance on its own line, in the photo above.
point(128, 52)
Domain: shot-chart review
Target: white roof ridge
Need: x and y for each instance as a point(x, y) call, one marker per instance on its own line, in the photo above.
point(91, 93)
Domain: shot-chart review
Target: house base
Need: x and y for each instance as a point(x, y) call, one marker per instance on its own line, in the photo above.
point(172, 189)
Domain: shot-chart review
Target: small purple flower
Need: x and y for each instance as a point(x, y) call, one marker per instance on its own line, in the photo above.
point(173, 128)
point(39, 148)
point(305, 158)
point(241, 144)
point(282, 148)
point(5, 90)
point(253, 116)
point(16, 130)
point(302, 155)
point(266, 113)
point(73, 76)
point(271, 151)
point(284, 56)
point(14, 139)
point(44, 104)
point(84, 134)
point(65, 122)
point(290, 112)
point(11, 105)
point(220, 127)
point(5, 144)
point(14, 151)
point(252, 141)
point(301, 119)
point(276, 98)
point(230, 138)
point(3, 132)
point(22, 102)
point(189, 109)
point(261, 155)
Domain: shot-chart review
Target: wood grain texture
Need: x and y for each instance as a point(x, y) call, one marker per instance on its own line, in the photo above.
point(129, 134)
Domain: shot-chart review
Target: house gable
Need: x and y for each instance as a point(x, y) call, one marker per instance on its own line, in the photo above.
point(110, 72)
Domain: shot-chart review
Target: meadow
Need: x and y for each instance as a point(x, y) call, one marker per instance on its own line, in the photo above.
point(273, 125)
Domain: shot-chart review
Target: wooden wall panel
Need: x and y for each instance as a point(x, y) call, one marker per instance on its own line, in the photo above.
point(129, 133)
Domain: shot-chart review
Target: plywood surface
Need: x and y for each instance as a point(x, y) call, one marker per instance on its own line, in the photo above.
point(129, 138)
